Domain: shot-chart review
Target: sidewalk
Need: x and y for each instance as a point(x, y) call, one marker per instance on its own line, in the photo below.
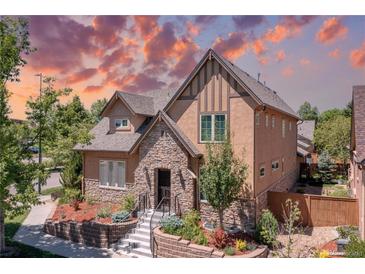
point(31, 233)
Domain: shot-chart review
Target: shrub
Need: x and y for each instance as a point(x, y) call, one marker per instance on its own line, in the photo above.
point(128, 202)
point(90, 200)
point(191, 218)
point(241, 245)
point(120, 217)
point(345, 232)
point(219, 238)
point(200, 239)
point(267, 228)
point(229, 250)
point(355, 248)
point(171, 224)
point(73, 196)
point(104, 212)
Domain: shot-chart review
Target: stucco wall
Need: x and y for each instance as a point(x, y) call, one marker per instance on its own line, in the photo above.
point(270, 146)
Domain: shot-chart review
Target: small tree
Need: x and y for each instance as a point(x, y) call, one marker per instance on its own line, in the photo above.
point(325, 167)
point(222, 177)
point(71, 174)
point(96, 109)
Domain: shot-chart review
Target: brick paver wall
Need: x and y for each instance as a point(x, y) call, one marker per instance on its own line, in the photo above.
point(89, 233)
point(170, 246)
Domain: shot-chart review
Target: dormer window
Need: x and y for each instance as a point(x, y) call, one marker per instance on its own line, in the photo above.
point(121, 124)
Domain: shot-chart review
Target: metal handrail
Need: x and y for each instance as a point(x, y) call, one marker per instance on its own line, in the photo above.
point(153, 213)
point(138, 205)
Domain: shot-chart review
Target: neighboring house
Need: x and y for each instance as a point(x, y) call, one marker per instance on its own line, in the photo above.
point(357, 165)
point(305, 147)
point(155, 142)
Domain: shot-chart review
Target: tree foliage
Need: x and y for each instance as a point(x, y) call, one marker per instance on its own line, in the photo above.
point(223, 177)
point(307, 112)
point(17, 171)
point(96, 109)
point(333, 136)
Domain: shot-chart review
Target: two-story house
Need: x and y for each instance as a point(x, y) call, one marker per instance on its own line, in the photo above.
point(154, 142)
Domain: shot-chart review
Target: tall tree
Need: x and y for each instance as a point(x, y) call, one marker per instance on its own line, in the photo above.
point(333, 136)
point(330, 114)
point(96, 109)
point(17, 171)
point(223, 177)
point(307, 112)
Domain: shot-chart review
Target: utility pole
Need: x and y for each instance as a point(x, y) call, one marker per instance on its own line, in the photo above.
point(40, 75)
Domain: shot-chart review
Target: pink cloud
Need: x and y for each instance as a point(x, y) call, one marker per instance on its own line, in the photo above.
point(92, 89)
point(234, 46)
point(336, 53)
point(280, 55)
point(147, 26)
point(304, 62)
point(331, 30)
point(287, 71)
point(248, 21)
point(357, 57)
point(82, 75)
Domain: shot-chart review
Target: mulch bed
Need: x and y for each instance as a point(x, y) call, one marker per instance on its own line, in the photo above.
point(85, 213)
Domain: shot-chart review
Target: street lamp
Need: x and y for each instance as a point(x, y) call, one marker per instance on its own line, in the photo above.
point(40, 75)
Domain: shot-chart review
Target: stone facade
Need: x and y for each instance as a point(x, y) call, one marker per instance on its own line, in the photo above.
point(241, 214)
point(89, 233)
point(170, 246)
point(162, 150)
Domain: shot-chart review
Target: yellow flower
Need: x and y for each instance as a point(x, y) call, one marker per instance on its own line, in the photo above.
point(324, 254)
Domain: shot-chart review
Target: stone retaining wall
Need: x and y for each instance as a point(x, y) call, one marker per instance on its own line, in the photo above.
point(170, 246)
point(89, 233)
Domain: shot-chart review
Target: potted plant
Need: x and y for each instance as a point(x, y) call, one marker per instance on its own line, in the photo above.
point(344, 235)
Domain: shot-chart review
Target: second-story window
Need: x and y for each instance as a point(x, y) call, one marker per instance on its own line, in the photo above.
point(212, 127)
point(121, 123)
point(257, 118)
point(272, 121)
point(283, 128)
point(266, 120)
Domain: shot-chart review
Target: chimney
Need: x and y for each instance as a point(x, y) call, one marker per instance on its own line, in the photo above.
point(258, 77)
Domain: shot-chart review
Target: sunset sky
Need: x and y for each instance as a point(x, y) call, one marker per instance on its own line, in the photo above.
point(303, 58)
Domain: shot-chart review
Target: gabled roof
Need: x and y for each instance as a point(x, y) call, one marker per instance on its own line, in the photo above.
point(260, 93)
point(185, 141)
point(306, 129)
point(104, 141)
point(358, 122)
point(147, 103)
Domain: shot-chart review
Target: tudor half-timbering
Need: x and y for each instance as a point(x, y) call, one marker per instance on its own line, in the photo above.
point(155, 142)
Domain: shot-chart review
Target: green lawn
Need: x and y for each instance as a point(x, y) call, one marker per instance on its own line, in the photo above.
point(24, 251)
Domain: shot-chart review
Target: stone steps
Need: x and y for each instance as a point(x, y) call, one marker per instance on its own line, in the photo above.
point(136, 244)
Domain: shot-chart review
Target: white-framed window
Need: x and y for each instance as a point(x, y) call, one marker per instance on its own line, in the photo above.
point(290, 126)
point(262, 171)
point(112, 173)
point(283, 128)
point(273, 121)
point(274, 165)
point(257, 119)
point(121, 123)
point(266, 120)
point(212, 127)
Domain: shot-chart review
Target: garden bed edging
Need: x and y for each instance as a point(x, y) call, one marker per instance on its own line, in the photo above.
point(171, 246)
point(90, 233)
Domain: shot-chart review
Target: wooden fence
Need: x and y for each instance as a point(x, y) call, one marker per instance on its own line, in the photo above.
point(317, 210)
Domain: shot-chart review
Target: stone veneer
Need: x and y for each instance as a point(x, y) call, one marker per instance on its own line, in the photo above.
point(89, 233)
point(170, 246)
point(162, 150)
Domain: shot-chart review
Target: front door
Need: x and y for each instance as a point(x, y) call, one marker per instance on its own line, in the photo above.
point(163, 184)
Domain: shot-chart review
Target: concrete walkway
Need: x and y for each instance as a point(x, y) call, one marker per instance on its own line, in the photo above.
point(31, 233)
